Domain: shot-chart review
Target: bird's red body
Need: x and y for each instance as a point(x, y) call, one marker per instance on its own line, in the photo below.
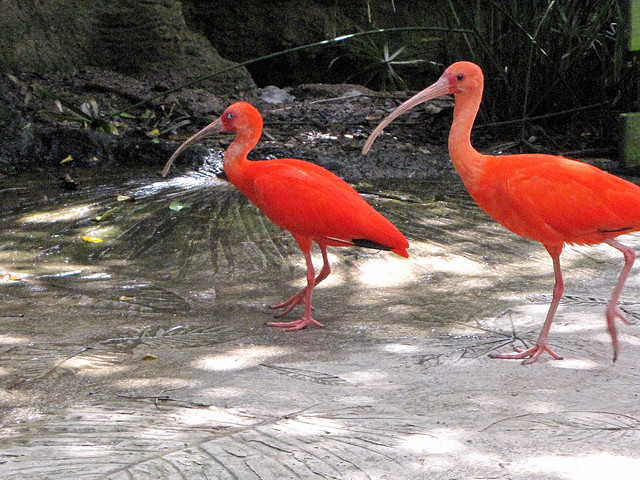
point(547, 198)
point(555, 200)
point(307, 200)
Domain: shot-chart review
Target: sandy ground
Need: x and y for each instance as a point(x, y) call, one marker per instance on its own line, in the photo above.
point(147, 356)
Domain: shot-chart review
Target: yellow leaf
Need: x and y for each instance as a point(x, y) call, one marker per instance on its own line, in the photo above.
point(95, 159)
point(154, 133)
point(86, 238)
point(125, 198)
point(106, 215)
point(149, 357)
point(9, 276)
point(126, 299)
point(68, 159)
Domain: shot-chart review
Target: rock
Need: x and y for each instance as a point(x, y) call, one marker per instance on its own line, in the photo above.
point(273, 94)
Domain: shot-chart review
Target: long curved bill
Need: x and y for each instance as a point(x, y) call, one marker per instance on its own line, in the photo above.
point(438, 89)
point(210, 129)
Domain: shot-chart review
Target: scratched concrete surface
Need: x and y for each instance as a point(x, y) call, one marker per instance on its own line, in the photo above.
point(146, 356)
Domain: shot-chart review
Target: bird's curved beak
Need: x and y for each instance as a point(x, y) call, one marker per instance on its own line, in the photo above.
point(438, 89)
point(210, 129)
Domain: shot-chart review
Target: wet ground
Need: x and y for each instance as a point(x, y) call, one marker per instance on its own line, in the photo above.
point(146, 355)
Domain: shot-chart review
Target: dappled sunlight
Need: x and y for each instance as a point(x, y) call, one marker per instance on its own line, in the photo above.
point(628, 338)
point(576, 364)
point(583, 467)
point(210, 416)
point(103, 232)
point(239, 358)
point(95, 366)
point(13, 340)
point(367, 377)
point(63, 214)
point(434, 442)
point(89, 452)
point(181, 183)
point(453, 264)
point(306, 426)
point(222, 392)
point(167, 383)
point(388, 271)
point(400, 348)
point(432, 257)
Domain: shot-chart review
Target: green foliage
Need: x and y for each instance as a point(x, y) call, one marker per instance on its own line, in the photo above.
point(541, 56)
point(377, 62)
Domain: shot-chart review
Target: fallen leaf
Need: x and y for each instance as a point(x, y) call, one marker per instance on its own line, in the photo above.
point(126, 299)
point(69, 158)
point(68, 183)
point(89, 239)
point(154, 133)
point(177, 206)
point(125, 198)
point(106, 215)
point(11, 277)
point(149, 357)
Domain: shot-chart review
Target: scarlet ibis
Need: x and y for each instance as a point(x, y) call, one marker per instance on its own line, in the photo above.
point(307, 200)
point(547, 198)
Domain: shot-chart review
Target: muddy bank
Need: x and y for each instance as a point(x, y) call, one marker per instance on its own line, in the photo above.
point(325, 124)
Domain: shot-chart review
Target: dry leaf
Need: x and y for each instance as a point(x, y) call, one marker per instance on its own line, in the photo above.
point(11, 277)
point(86, 238)
point(104, 216)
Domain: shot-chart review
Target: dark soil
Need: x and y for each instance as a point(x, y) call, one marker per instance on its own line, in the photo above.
point(322, 123)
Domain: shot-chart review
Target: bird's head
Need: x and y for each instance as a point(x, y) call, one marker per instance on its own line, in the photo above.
point(459, 78)
point(240, 117)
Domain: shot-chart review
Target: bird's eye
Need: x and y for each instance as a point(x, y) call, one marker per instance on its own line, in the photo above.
point(230, 116)
point(460, 77)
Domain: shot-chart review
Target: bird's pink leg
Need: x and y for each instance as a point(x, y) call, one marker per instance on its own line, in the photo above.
point(532, 354)
point(308, 293)
point(613, 311)
point(298, 298)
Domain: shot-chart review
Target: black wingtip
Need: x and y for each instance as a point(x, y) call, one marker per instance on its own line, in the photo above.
point(365, 243)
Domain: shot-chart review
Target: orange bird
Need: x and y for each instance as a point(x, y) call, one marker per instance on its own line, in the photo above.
point(310, 202)
point(547, 198)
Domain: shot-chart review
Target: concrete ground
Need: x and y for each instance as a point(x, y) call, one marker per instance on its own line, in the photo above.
point(146, 356)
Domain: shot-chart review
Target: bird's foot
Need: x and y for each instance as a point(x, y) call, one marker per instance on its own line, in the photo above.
point(296, 325)
point(289, 304)
point(613, 312)
point(529, 355)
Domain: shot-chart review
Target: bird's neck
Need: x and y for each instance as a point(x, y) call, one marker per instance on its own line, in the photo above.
point(466, 159)
point(235, 158)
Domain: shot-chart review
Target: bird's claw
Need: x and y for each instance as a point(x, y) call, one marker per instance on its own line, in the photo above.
point(530, 355)
point(289, 304)
point(613, 312)
point(296, 324)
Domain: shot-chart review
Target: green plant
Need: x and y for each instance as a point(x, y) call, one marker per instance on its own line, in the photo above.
point(374, 65)
point(541, 57)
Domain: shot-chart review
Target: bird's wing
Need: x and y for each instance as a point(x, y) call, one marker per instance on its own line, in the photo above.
point(311, 201)
point(556, 200)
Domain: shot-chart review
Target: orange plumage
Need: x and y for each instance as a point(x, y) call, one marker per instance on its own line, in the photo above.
point(547, 198)
point(307, 200)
